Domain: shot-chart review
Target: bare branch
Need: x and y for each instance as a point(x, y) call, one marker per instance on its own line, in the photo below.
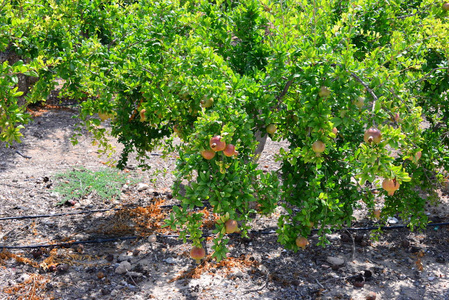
point(285, 90)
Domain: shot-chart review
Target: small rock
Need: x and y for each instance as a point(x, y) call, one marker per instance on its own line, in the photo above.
point(170, 260)
point(62, 268)
point(123, 257)
point(23, 278)
point(335, 261)
point(152, 238)
point(371, 296)
point(431, 278)
point(123, 267)
point(109, 257)
point(142, 187)
point(392, 220)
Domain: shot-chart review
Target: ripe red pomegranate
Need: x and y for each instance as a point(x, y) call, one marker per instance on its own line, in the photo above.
point(208, 154)
point(197, 254)
point(229, 150)
point(231, 226)
point(372, 135)
point(390, 185)
point(217, 144)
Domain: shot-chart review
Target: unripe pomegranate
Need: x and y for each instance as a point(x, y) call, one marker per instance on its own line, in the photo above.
point(390, 185)
point(302, 242)
point(176, 129)
point(271, 129)
point(335, 130)
point(318, 147)
point(229, 150)
point(376, 214)
point(359, 102)
point(217, 144)
point(231, 226)
point(208, 154)
point(197, 254)
point(372, 135)
point(324, 92)
point(445, 6)
point(104, 116)
point(207, 102)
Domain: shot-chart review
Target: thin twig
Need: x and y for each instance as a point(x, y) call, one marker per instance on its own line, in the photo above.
point(430, 72)
point(366, 87)
point(261, 288)
point(285, 90)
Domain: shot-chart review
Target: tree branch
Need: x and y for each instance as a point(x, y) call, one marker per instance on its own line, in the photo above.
point(429, 73)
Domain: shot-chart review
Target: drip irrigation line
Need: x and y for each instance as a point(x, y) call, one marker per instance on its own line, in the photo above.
point(77, 213)
point(253, 232)
point(58, 214)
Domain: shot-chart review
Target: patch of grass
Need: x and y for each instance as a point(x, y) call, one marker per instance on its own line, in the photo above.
point(78, 183)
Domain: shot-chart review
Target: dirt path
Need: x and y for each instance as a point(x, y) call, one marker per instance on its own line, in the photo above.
point(401, 265)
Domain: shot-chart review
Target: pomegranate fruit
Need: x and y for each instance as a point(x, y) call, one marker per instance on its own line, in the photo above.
point(104, 116)
point(176, 129)
point(360, 102)
point(318, 147)
point(217, 144)
point(335, 130)
point(324, 92)
point(372, 135)
point(206, 103)
point(197, 254)
point(231, 226)
point(376, 214)
point(229, 150)
point(445, 6)
point(142, 115)
point(302, 242)
point(208, 154)
point(271, 129)
point(390, 185)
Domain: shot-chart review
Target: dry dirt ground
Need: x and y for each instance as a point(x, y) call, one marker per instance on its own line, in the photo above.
point(116, 265)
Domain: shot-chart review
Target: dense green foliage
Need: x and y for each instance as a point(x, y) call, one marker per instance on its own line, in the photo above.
point(308, 67)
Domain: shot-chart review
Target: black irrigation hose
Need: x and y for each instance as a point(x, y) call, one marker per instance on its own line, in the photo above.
point(107, 240)
point(72, 213)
